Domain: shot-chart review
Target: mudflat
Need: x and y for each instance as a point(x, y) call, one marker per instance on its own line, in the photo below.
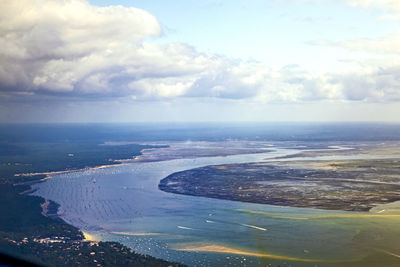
point(371, 178)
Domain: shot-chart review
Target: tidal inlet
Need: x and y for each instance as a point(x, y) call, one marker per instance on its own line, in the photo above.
point(278, 205)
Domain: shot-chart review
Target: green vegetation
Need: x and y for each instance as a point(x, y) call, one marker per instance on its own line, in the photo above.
point(44, 157)
point(83, 254)
point(27, 234)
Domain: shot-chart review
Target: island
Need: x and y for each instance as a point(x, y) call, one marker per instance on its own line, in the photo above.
point(339, 184)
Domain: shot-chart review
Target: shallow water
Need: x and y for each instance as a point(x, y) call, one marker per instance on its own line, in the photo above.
point(124, 204)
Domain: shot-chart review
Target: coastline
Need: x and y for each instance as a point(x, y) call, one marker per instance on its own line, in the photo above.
point(50, 175)
point(64, 238)
point(141, 158)
point(355, 184)
point(223, 249)
point(88, 236)
point(47, 204)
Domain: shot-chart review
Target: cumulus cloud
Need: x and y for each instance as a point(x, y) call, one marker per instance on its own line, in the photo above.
point(69, 48)
point(380, 85)
point(76, 49)
point(55, 44)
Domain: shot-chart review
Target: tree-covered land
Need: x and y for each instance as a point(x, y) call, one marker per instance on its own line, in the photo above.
point(26, 233)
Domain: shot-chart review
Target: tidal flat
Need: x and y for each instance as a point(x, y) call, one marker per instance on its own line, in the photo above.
point(349, 185)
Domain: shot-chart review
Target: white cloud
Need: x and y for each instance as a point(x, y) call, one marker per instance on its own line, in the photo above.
point(74, 48)
point(53, 45)
point(70, 48)
point(378, 85)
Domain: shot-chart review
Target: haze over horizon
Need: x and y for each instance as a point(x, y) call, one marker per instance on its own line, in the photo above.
point(214, 60)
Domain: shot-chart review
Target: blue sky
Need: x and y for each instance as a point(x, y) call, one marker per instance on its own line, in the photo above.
point(275, 32)
point(212, 60)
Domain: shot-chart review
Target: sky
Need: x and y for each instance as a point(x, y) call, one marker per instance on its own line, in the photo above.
point(210, 60)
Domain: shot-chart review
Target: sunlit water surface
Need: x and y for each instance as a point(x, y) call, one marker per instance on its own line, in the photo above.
point(124, 204)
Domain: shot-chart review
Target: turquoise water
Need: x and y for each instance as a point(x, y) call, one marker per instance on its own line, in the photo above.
point(124, 204)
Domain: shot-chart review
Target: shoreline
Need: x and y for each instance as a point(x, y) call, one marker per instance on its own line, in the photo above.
point(137, 159)
point(49, 207)
point(337, 183)
point(117, 163)
point(50, 174)
point(49, 204)
point(90, 237)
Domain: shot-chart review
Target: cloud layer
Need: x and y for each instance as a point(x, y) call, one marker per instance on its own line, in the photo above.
point(71, 49)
